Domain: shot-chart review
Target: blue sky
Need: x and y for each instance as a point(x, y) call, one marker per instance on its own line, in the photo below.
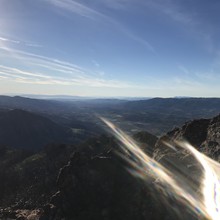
point(110, 47)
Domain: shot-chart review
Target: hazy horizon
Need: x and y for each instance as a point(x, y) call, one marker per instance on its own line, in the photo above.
point(98, 97)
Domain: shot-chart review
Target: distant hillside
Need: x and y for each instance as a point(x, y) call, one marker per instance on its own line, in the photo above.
point(191, 107)
point(157, 115)
point(35, 105)
point(22, 129)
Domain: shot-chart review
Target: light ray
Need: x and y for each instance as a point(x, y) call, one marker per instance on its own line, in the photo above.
point(204, 203)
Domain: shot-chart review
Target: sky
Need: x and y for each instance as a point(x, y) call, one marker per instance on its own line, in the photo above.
point(108, 48)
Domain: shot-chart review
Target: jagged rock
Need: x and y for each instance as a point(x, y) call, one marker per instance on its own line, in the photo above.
point(20, 214)
point(28, 180)
point(146, 141)
point(203, 134)
point(211, 146)
point(102, 188)
point(195, 132)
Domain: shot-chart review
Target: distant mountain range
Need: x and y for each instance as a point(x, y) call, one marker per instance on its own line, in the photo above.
point(156, 115)
point(192, 107)
point(37, 105)
point(74, 98)
point(188, 106)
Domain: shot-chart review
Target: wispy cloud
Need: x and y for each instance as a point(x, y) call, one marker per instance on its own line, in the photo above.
point(46, 62)
point(76, 7)
point(64, 73)
point(183, 69)
point(117, 4)
point(9, 40)
point(187, 18)
point(96, 63)
point(185, 82)
point(33, 45)
point(19, 42)
point(3, 77)
point(77, 82)
point(172, 9)
point(10, 70)
point(210, 76)
point(139, 40)
point(6, 75)
point(91, 13)
point(198, 77)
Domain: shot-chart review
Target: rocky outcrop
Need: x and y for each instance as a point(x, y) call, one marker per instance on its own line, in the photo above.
point(20, 214)
point(203, 134)
point(146, 141)
point(195, 132)
point(29, 180)
point(101, 188)
point(211, 146)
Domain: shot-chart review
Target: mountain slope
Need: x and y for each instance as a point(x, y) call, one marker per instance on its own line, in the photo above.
point(22, 129)
point(95, 184)
point(33, 105)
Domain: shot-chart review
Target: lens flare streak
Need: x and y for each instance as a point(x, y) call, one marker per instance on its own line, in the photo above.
point(205, 203)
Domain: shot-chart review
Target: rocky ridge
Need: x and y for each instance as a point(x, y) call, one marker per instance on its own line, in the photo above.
point(95, 183)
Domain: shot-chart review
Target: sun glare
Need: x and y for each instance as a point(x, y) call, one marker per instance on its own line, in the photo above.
point(208, 206)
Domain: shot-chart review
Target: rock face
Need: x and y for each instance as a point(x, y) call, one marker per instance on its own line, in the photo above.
point(146, 141)
point(20, 214)
point(203, 134)
point(29, 180)
point(101, 188)
point(195, 132)
point(211, 146)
